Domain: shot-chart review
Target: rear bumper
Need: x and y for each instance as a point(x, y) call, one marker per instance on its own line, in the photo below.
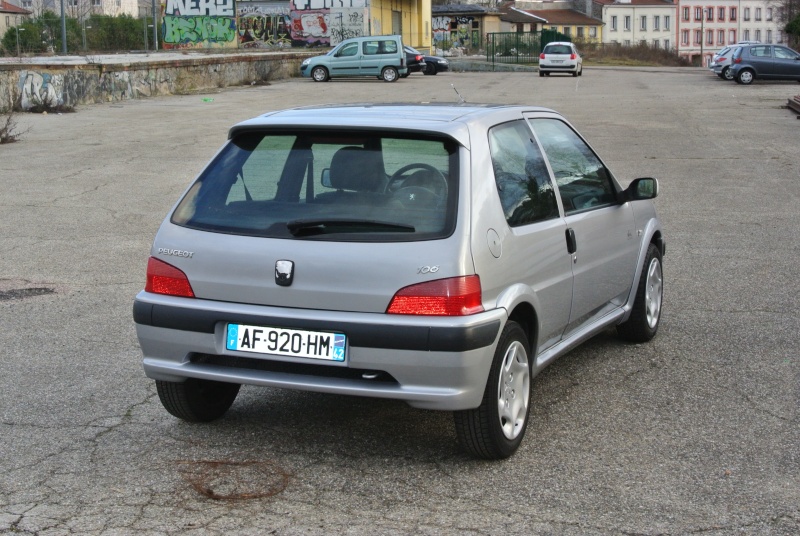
point(433, 363)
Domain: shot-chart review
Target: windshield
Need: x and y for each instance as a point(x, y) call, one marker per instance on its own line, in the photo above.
point(352, 186)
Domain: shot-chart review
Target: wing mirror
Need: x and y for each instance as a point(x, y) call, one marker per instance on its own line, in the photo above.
point(643, 188)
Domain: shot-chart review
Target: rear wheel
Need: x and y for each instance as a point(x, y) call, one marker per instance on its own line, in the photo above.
point(197, 400)
point(319, 74)
point(745, 76)
point(642, 325)
point(389, 74)
point(495, 429)
point(541, 74)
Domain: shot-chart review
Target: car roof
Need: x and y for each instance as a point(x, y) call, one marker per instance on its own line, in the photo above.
point(559, 43)
point(453, 120)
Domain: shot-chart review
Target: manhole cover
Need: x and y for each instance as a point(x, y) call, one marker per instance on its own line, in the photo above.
point(229, 481)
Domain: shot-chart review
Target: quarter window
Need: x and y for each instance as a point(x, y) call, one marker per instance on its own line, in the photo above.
point(523, 182)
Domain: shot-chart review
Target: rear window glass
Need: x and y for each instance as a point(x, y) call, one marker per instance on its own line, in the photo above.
point(352, 186)
point(557, 49)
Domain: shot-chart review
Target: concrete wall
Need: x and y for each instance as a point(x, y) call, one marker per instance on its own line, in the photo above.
point(70, 85)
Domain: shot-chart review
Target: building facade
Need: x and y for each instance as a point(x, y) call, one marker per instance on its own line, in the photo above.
point(11, 17)
point(634, 22)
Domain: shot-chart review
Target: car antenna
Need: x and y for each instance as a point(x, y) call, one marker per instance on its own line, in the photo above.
point(461, 100)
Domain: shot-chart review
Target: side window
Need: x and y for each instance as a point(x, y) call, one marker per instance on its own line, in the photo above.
point(348, 50)
point(784, 53)
point(760, 52)
point(371, 47)
point(523, 182)
point(582, 179)
point(388, 47)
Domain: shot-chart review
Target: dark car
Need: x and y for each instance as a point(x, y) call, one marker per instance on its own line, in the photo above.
point(414, 60)
point(767, 62)
point(430, 64)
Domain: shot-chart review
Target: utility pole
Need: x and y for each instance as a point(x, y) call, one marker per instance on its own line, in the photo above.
point(63, 29)
point(155, 26)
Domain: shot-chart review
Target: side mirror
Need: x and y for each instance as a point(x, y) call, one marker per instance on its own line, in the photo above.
point(643, 188)
point(326, 177)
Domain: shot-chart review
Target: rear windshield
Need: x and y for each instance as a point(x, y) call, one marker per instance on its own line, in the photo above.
point(352, 186)
point(557, 49)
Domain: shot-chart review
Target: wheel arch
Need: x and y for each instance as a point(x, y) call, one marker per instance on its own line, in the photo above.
point(653, 235)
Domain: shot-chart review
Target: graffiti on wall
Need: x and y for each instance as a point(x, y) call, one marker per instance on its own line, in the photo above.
point(455, 31)
point(37, 89)
point(263, 26)
point(326, 22)
point(198, 24)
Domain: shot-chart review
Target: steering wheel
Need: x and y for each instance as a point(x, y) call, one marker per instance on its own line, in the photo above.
point(399, 176)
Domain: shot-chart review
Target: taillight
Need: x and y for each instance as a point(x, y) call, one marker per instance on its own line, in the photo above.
point(572, 56)
point(163, 278)
point(541, 56)
point(419, 58)
point(737, 60)
point(456, 296)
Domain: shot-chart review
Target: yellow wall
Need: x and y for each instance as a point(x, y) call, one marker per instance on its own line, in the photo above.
point(415, 20)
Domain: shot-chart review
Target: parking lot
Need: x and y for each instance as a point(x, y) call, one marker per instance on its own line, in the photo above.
point(696, 432)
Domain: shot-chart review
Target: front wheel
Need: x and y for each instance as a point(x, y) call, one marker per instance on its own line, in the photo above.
point(726, 73)
point(430, 69)
point(494, 430)
point(197, 400)
point(745, 77)
point(319, 74)
point(390, 74)
point(642, 325)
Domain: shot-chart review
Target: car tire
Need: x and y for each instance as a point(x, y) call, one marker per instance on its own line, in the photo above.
point(494, 430)
point(197, 400)
point(320, 74)
point(575, 74)
point(726, 73)
point(645, 317)
point(541, 74)
point(745, 77)
point(389, 74)
point(430, 69)
point(580, 73)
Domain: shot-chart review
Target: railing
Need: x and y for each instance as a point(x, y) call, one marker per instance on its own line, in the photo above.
point(517, 47)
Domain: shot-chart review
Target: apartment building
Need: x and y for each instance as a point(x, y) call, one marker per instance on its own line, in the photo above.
point(633, 22)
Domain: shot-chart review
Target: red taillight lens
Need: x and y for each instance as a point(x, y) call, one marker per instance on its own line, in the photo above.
point(737, 60)
point(419, 58)
point(572, 56)
point(541, 56)
point(456, 296)
point(163, 278)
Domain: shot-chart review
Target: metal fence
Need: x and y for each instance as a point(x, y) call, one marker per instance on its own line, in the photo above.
point(517, 47)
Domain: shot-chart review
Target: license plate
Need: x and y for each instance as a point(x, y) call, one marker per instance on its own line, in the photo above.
point(286, 342)
point(558, 61)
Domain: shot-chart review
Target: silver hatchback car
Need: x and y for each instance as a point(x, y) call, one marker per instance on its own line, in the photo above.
point(440, 255)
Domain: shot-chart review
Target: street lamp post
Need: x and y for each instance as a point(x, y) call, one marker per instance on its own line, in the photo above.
point(19, 30)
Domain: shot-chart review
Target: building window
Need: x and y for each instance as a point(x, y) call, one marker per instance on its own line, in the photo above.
point(698, 13)
point(27, 4)
point(684, 37)
point(593, 31)
point(780, 36)
point(685, 14)
point(733, 14)
point(655, 43)
point(8, 21)
point(720, 37)
point(746, 15)
point(758, 14)
point(698, 37)
point(769, 36)
point(656, 22)
point(747, 35)
point(731, 37)
point(769, 13)
point(580, 32)
point(721, 14)
point(614, 23)
point(643, 23)
point(567, 31)
point(627, 42)
point(709, 37)
point(666, 22)
point(666, 44)
point(627, 23)
point(72, 3)
point(709, 14)
point(758, 35)
point(97, 3)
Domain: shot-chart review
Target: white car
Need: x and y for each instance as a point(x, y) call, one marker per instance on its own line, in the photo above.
point(560, 57)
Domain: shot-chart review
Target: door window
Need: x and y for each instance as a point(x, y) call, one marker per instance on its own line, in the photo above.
point(583, 181)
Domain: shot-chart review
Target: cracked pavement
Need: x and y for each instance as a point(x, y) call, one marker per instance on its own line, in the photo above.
point(695, 433)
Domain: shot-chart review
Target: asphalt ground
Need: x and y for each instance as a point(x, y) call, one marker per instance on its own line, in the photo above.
point(694, 433)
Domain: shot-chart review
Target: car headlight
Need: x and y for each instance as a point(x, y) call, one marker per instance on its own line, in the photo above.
point(442, 62)
point(306, 61)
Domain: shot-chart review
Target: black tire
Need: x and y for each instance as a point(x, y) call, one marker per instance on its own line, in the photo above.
point(645, 317)
point(575, 74)
point(197, 400)
point(745, 77)
point(486, 432)
point(320, 74)
point(390, 74)
point(726, 73)
point(430, 69)
point(541, 74)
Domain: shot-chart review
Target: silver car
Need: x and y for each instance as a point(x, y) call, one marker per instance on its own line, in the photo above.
point(440, 255)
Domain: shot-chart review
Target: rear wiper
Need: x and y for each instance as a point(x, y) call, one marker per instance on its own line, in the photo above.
point(316, 227)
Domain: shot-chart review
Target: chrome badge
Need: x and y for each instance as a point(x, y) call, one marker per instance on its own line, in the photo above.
point(284, 273)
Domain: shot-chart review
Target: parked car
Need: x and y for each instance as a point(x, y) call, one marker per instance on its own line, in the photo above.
point(721, 61)
point(382, 56)
point(440, 255)
point(415, 61)
point(560, 57)
point(768, 62)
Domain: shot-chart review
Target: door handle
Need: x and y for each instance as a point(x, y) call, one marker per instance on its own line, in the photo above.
point(572, 243)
